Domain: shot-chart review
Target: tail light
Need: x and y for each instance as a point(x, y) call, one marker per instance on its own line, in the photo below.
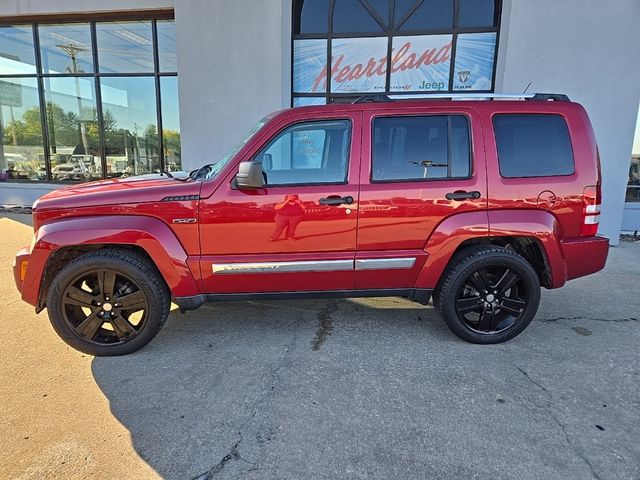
point(592, 197)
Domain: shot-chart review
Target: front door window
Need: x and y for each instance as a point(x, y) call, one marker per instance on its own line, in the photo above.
point(309, 153)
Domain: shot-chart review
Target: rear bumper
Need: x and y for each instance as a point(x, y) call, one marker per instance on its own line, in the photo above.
point(18, 270)
point(584, 256)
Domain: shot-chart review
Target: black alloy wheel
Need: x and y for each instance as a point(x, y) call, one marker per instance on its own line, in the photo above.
point(492, 299)
point(108, 302)
point(105, 307)
point(488, 295)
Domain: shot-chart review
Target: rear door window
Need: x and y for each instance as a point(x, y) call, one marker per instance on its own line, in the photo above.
point(421, 148)
point(533, 145)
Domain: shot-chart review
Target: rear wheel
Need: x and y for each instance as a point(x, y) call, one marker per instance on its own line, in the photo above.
point(489, 295)
point(109, 302)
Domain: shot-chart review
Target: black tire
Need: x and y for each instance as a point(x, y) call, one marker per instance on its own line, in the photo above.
point(125, 282)
point(473, 301)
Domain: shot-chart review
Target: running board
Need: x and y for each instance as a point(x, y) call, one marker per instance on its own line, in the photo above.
point(420, 295)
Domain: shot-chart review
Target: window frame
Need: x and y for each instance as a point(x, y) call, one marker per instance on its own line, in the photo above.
point(269, 143)
point(91, 19)
point(418, 115)
point(390, 32)
point(569, 136)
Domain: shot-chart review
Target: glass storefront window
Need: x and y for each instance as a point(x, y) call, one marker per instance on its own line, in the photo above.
point(130, 125)
point(170, 123)
point(166, 31)
point(17, 55)
point(633, 187)
point(66, 48)
point(125, 47)
point(399, 47)
point(72, 122)
point(67, 118)
point(21, 151)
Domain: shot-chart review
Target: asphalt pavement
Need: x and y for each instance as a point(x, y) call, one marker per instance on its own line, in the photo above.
point(330, 389)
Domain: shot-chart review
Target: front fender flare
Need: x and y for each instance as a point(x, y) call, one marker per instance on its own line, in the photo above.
point(150, 234)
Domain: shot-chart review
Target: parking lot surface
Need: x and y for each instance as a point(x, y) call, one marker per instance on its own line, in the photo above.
point(330, 389)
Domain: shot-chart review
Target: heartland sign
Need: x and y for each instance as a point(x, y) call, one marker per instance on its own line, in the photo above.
point(419, 63)
point(409, 68)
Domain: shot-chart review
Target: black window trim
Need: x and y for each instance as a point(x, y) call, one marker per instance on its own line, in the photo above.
point(283, 129)
point(91, 20)
point(421, 115)
point(557, 114)
point(392, 31)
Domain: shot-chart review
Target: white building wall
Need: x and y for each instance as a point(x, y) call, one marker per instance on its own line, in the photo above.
point(590, 50)
point(233, 69)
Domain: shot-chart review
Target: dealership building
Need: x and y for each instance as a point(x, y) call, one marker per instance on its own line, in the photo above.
point(102, 89)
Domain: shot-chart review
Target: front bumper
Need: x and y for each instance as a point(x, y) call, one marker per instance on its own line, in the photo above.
point(584, 256)
point(20, 263)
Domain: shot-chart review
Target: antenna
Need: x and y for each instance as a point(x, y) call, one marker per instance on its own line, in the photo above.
point(525, 90)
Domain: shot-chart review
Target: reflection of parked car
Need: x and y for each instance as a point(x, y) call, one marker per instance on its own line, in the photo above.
point(75, 170)
point(476, 203)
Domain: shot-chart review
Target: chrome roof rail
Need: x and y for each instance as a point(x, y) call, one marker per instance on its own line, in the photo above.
point(558, 97)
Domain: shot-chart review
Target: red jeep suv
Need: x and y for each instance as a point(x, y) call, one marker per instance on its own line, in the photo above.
point(478, 203)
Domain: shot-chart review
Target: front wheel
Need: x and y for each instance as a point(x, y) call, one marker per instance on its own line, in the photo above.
point(108, 302)
point(489, 295)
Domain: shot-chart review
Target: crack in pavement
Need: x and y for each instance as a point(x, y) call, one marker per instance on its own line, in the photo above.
point(234, 453)
point(614, 320)
point(562, 426)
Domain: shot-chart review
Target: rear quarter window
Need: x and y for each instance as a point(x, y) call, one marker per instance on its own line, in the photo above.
point(533, 145)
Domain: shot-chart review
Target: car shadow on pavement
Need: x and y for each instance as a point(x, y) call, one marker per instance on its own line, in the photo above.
point(17, 217)
point(187, 395)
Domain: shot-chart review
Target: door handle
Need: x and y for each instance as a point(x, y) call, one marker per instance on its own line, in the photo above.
point(462, 195)
point(335, 200)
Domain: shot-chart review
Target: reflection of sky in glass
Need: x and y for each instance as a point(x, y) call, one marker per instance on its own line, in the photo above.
point(411, 79)
point(169, 96)
point(66, 92)
point(131, 101)
point(304, 101)
point(474, 61)
point(16, 50)
point(24, 96)
point(309, 58)
point(167, 45)
point(359, 51)
point(125, 47)
point(59, 42)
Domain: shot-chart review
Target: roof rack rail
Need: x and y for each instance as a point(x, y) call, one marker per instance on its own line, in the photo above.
point(556, 97)
point(377, 98)
point(373, 99)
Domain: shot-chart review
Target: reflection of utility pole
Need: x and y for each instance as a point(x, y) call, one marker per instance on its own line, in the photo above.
point(3, 162)
point(14, 136)
point(136, 154)
point(73, 51)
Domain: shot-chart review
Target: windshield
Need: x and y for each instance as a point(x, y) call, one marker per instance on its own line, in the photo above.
point(216, 167)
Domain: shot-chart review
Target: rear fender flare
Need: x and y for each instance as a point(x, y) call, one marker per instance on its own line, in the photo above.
point(150, 234)
point(538, 224)
point(444, 241)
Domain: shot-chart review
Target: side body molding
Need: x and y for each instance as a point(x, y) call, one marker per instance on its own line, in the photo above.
point(151, 234)
point(538, 224)
point(444, 241)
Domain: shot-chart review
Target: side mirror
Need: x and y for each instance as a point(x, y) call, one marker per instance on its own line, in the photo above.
point(250, 175)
